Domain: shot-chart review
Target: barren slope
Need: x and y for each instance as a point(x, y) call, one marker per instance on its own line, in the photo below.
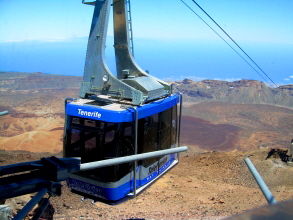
point(208, 185)
point(35, 121)
point(208, 182)
point(209, 136)
point(256, 125)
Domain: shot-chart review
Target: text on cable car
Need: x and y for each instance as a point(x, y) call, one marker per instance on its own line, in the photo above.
point(158, 166)
point(90, 114)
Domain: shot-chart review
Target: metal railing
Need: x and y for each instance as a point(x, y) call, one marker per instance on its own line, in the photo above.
point(262, 185)
point(3, 113)
point(71, 165)
point(127, 159)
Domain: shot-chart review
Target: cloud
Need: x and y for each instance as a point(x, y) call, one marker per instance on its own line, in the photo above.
point(174, 78)
point(291, 77)
point(273, 86)
point(227, 79)
point(279, 84)
point(287, 79)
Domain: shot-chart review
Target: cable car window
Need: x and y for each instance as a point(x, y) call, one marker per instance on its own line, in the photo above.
point(128, 131)
point(174, 126)
point(89, 123)
point(165, 129)
point(95, 140)
point(75, 149)
point(75, 135)
point(127, 140)
point(109, 136)
point(90, 151)
point(148, 137)
point(75, 120)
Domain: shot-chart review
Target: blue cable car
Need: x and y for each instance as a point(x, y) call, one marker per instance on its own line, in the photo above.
point(99, 131)
point(129, 114)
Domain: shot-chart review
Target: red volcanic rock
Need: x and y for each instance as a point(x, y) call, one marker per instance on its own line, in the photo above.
point(208, 136)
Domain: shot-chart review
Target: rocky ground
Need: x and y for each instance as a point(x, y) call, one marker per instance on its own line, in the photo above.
point(210, 182)
point(204, 185)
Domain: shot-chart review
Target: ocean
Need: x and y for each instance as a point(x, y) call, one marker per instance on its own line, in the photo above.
point(167, 59)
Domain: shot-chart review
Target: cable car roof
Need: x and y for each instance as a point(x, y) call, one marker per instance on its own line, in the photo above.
point(116, 112)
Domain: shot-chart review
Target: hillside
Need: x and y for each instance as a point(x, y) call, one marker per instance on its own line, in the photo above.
point(241, 91)
point(36, 80)
point(238, 126)
point(206, 185)
point(222, 123)
point(35, 103)
point(37, 113)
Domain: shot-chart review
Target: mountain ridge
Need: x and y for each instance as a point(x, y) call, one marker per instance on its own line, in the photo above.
point(243, 91)
point(240, 91)
point(37, 80)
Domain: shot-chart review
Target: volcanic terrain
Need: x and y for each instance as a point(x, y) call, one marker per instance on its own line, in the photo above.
point(211, 181)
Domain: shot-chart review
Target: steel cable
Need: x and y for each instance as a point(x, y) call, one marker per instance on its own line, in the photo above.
point(230, 45)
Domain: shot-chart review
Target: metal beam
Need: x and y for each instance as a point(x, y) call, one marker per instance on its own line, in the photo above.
point(262, 185)
point(26, 209)
point(135, 150)
point(3, 113)
point(127, 159)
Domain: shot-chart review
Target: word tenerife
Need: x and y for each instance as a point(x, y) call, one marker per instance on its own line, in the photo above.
point(90, 114)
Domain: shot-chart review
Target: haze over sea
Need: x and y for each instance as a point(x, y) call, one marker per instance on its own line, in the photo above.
point(168, 59)
point(169, 40)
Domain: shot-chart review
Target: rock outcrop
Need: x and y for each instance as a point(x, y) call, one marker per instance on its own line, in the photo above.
point(240, 91)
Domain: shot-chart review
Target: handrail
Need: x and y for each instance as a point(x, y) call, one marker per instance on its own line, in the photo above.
point(127, 159)
point(262, 185)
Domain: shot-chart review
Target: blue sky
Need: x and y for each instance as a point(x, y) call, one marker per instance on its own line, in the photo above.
point(169, 40)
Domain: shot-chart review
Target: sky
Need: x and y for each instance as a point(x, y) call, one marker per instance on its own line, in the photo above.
point(170, 41)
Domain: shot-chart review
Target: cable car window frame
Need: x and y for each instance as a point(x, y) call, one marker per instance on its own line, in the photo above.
point(105, 148)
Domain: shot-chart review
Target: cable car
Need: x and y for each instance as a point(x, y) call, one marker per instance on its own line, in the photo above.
point(129, 114)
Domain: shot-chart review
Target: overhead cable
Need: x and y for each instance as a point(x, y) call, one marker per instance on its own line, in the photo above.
point(234, 50)
point(235, 42)
point(230, 45)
